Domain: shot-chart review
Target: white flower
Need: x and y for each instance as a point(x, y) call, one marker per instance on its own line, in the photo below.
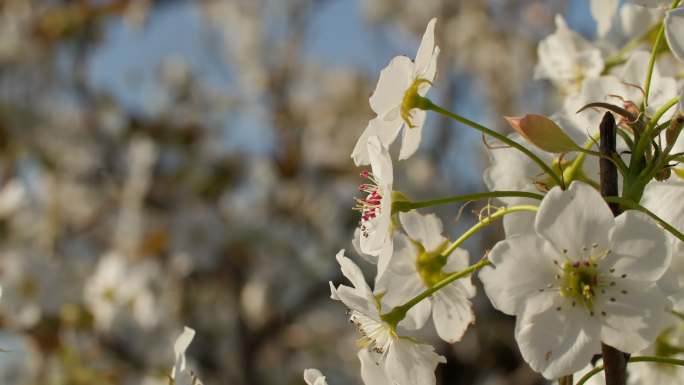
point(581, 278)
point(180, 374)
point(386, 357)
point(418, 265)
point(376, 207)
point(314, 377)
point(566, 58)
point(397, 82)
point(119, 289)
point(674, 31)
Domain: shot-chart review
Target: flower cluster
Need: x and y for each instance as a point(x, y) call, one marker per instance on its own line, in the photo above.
point(591, 199)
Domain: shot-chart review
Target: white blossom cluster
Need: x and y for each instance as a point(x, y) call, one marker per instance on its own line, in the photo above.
point(581, 272)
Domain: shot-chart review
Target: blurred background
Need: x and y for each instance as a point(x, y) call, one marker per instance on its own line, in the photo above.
point(170, 163)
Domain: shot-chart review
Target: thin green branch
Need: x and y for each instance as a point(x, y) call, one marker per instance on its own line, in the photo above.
point(403, 206)
point(628, 203)
point(427, 104)
point(486, 221)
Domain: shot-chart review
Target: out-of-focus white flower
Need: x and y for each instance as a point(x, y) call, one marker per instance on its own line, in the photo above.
point(401, 79)
point(418, 265)
point(652, 3)
point(376, 208)
point(33, 287)
point(669, 345)
point(314, 377)
point(581, 278)
point(386, 357)
point(674, 31)
point(12, 196)
point(566, 58)
point(119, 289)
point(603, 11)
point(180, 374)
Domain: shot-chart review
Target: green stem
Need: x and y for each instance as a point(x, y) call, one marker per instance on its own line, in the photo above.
point(399, 312)
point(403, 206)
point(486, 221)
point(662, 360)
point(427, 104)
point(630, 204)
point(394, 316)
point(645, 139)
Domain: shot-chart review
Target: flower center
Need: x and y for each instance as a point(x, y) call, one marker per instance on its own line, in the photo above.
point(369, 206)
point(412, 100)
point(579, 282)
point(430, 265)
point(375, 334)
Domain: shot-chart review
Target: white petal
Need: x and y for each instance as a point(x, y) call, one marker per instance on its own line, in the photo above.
point(386, 131)
point(179, 348)
point(359, 297)
point(575, 219)
point(411, 139)
point(603, 12)
point(393, 82)
point(314, 377)
point(665, 200)
point(380, 161)
point(371, 371)
point(428, 73)
point(640, 247)
point(426, 48)
point(633, 320)
point(409, 363)
point(452, 313)
point(356, 243)
point(557, 343)
point(674, 31)
point(352, 272)
point(459, 261)
point(425, 229)
point(523, 265)
point(521, 222)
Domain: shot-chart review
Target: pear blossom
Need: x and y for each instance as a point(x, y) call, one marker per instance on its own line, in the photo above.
point(566, 58)
point(417, 265)
point(314, 377)
point(582, 277)
point(674, 31)
point(398, 82)
point(386, 356)
point(180, 374)
point(376, 207)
